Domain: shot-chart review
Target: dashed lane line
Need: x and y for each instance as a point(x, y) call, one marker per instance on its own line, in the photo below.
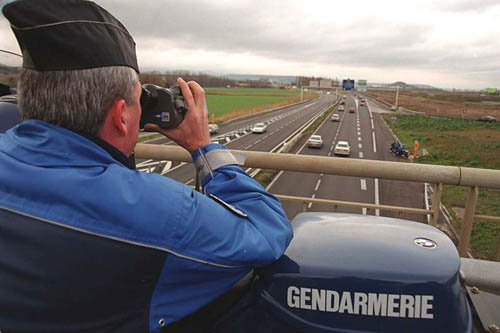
point(374, 143)
point(310, 204)
point(360, 145)
point(317, 184)
point(360, 154)
point(363, 184)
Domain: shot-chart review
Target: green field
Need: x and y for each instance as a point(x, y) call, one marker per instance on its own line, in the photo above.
point(461, 143)
point(220, 104)
point(230, 102)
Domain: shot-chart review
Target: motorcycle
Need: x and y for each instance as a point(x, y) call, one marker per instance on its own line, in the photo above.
point(399, 149)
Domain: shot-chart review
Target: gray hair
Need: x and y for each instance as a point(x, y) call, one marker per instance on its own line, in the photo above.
point(78, 100)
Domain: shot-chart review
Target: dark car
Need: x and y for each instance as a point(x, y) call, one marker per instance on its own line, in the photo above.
point(487, 119)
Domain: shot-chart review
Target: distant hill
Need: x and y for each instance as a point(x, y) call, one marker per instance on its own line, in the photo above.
point(4, 70)
point(253, 77)
point(403, 85)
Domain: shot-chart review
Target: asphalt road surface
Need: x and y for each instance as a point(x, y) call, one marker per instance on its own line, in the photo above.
point(280, 125)
point(369, 138)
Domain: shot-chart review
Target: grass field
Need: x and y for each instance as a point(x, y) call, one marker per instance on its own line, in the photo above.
point(228, 103)
point(465, 143)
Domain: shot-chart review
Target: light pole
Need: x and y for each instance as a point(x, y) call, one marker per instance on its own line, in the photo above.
point(397, 97)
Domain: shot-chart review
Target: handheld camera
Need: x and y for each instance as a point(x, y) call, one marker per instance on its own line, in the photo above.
point(165, 107)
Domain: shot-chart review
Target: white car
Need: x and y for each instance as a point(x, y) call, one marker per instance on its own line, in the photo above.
point(341, 108)
point(315, 141)
point(213, 128)
point(342, 148)
point(335, 117)
point(259, 128)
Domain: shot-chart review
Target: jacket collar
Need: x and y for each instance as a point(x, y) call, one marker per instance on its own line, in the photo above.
point(39, 143)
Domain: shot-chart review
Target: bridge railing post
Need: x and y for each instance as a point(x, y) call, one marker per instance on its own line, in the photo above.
point(436, 203)
point(498, 248)
point(470, 209)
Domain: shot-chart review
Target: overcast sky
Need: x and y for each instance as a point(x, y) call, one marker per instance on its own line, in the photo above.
point(445, 43)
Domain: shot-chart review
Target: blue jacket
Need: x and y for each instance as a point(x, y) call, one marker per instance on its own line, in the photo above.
point(88, 244)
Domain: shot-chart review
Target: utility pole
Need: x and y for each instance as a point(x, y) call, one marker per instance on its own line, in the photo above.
point(397, 96)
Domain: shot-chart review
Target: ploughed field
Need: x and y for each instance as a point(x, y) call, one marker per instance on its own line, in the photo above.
point(469, 105)
point(459, 142)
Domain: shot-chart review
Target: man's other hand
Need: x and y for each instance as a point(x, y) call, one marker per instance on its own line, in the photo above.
point(193, 132)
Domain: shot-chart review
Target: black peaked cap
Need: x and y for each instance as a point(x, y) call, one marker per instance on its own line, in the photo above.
point(69, 34)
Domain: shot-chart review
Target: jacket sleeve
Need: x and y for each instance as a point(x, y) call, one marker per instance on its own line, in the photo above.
point(214, 245)
point(237, 223)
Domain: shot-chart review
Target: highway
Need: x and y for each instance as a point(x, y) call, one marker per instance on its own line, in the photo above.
point(369, 138)
point(281, 124)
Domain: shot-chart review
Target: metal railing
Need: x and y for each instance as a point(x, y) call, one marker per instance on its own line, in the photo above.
point(437, 175)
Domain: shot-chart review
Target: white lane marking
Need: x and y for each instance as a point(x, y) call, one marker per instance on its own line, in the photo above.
point(374, 143)
point(258, 141)
point(377, 200)
point(317, 184)
point(359, 138)
point(364, 211)
point(363, 184)
point(373, 127)
point(189, 181)
point(360, 154)
point(249, 146)
point(175, 168)
point(359, 133)
point(274, 180)
point(330, 153)
point(310, 204)
point(360, 145)
point(167, 167)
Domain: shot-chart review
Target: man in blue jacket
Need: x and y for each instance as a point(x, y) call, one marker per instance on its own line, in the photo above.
point(88, 243)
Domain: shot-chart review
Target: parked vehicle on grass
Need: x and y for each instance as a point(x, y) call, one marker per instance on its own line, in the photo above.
point(488, 119)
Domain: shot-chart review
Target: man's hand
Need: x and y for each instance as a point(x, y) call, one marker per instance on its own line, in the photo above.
point(193, 132)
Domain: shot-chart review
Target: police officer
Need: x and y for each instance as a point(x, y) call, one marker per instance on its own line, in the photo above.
point(87, 242)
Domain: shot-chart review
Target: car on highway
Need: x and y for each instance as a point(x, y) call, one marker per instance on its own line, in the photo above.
point(335, 117)
point(487, 119)
point(315, 141)
point(362, 103)
point(259, 128)
point(341, 108)
point(352, 110)
point(342, 148)
point(213, 128)
point(342, 102)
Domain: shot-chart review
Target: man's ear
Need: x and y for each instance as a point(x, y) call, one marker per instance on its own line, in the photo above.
point(118, 116)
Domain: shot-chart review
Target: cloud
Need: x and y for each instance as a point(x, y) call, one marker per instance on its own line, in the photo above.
point(441, 38)
point(460, 6)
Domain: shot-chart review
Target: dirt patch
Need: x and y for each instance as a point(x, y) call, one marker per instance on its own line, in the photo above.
point(442, 104)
